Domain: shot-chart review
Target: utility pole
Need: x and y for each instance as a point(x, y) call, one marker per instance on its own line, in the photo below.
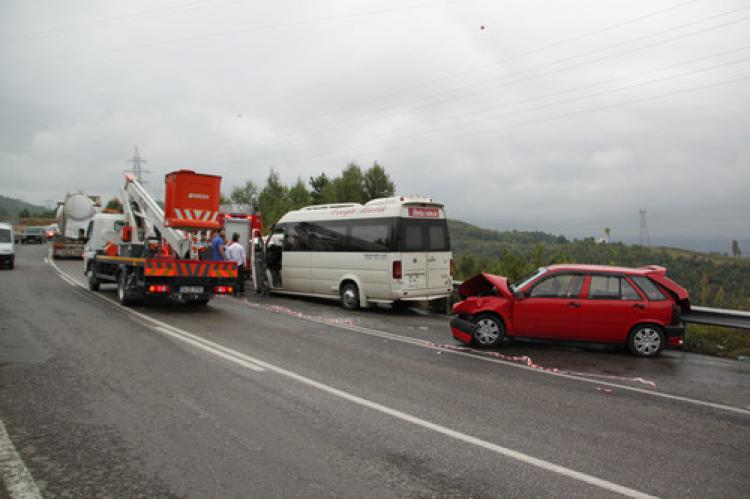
point(137, 169)
point(645, 239)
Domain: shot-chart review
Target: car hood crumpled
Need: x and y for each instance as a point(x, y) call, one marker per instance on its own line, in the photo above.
point(484, 283)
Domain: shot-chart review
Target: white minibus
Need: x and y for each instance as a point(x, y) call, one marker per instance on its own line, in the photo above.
point(385, 251)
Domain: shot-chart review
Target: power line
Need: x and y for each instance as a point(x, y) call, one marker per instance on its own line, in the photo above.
point(231, 32)
point(385, 112)
point(108, 22)
point(521, 124)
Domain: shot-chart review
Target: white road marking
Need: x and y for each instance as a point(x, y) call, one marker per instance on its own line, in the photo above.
point(214, 348)
point(18, 481)
point(422, 343)
point(243, 360)
point(70, 280)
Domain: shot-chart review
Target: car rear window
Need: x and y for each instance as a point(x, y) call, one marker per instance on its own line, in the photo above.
point(649, 288)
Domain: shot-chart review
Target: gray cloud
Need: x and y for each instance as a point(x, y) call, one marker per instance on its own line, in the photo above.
point(565, 117)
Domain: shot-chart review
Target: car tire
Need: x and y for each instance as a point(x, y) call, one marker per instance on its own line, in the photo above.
point(350, 296)
point(11, 263)
point(93, 281)
point(646, 340)
point(490, 330)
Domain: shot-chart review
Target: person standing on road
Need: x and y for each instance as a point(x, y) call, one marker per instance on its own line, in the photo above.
point(236, 253)
point(217, 246)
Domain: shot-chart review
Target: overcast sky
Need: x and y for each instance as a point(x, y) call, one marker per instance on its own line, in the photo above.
point(563, 116)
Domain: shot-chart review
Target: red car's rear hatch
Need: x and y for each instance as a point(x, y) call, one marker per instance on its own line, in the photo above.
point(485, 283)
point(680, 293)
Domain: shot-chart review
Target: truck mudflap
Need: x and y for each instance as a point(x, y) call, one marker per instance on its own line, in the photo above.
point(189, 268)
point(463, 330)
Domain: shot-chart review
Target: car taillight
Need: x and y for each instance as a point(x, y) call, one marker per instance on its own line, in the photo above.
point(451, 267)
point(58, 245)
point(397, 269)
point(223, 290)
point(158, 288)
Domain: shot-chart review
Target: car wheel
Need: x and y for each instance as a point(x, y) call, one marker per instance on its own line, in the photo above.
point(490, 330)
point(11, 263)
point(350, 296)
point(646, 340)
point(93, 281)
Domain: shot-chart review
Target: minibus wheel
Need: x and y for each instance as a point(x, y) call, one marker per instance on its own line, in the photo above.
point(350, 296)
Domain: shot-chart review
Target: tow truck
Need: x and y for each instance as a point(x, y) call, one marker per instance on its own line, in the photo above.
point(150, 252)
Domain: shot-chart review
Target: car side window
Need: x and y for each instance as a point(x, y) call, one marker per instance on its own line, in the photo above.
point(605, 287)
point(649, 288)
point(558, 286)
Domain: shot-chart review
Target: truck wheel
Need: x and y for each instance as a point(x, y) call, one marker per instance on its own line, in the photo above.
point(93, 281)
point(11, 262)
point(122, 294)
point(350, 296)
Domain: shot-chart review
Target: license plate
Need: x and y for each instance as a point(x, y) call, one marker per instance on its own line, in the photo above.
point(191, 290)
point(414, 281)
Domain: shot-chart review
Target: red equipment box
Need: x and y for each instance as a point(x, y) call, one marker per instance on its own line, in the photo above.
point(192, 200)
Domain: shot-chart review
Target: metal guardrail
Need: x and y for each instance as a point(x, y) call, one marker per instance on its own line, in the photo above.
point(738, 319)
point(717, 317)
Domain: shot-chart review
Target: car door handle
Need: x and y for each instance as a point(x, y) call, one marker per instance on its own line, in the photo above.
point(640, 306)
point(574, 304)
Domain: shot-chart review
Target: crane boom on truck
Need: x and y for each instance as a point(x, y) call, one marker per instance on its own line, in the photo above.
point(147, 218)
point(151, 252)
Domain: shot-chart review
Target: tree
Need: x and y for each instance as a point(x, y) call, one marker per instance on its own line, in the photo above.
point(245, 194)
point(321, 189)
point(299, 196)
point(114, 204)
point(377, 183)
point(24, 213)
point(273, 199)
point(736, 248)
point(350, 186)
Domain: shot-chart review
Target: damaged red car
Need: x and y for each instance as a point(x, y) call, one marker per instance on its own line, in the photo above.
point(637, 307)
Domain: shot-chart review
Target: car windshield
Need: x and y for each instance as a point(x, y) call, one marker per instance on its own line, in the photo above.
point(4, 236)
point(527, 278)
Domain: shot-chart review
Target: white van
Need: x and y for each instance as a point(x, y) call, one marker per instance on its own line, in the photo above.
point(385, 251)
point(7, 245)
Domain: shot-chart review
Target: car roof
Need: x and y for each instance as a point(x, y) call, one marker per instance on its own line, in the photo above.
point(608, 269)
point(5, 225)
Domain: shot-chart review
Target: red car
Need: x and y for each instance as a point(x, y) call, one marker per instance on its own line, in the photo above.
point(639, 307)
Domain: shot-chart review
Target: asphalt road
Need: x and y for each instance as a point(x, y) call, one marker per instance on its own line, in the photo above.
point(280, 397)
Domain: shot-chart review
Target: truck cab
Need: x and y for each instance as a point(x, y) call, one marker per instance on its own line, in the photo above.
point(102, 229)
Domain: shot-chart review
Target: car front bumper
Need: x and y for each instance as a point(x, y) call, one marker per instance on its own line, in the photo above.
point(462, 330)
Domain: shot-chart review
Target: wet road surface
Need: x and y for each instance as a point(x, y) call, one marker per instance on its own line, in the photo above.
point(281, 397)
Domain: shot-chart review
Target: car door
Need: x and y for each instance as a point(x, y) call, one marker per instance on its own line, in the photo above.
point(550, 307)
point(610, 308)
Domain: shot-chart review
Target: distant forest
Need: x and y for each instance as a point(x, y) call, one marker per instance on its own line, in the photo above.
point(712, 280)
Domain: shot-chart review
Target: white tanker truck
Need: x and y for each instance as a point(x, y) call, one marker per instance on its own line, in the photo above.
point(73, 217)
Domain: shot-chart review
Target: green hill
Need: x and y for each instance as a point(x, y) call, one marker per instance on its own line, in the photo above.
point(712, 280)
point(11, 208)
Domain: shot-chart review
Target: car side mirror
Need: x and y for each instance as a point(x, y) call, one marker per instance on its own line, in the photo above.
point(519, 295)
